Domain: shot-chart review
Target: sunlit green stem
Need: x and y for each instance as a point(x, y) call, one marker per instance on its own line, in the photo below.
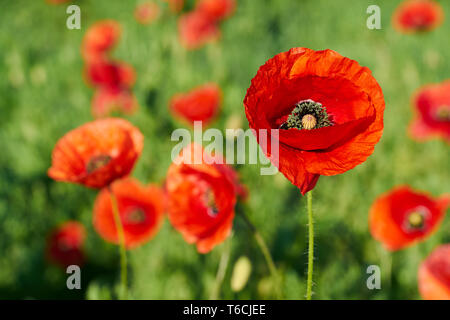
point(123, 252)
point(309, 281)
point(223, 265)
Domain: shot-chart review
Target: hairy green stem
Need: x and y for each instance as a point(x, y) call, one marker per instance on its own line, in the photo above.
point(122, 249)
point(309, 281)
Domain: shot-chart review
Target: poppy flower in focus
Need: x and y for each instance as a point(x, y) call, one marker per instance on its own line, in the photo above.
point(110, 99)
point(434, 275)
point(216, 9)
point(328, 109)
point(64, 245)
point(200, 104)
point(141, 211)
point(195, 29)
point(146, 12)
point(417, 15)
point(100, 38)
point(402, 217)
point(97, 153)
point(432, 104)
point(110, 73)
point(175, 5)
point(201, 197)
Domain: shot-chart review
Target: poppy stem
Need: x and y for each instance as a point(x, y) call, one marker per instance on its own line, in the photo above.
point(309, 282)
point(223, 266)
point(122, 249)
point(266, 253)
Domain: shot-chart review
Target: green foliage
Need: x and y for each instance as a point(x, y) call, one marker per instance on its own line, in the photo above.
point(43, 96)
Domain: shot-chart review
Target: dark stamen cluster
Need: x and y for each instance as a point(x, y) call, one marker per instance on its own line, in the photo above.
point(307, 107)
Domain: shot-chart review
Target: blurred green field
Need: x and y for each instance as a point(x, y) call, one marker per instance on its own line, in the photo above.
point(43, 96)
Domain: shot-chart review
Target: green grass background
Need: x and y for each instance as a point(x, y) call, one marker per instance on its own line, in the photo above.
point(42, 96)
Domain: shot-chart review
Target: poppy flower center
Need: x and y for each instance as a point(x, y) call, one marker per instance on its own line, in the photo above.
point(416, 219)
point(135, 216)
point(443, 113)
point(308, 115)
point(211, 203)
point(98, 162)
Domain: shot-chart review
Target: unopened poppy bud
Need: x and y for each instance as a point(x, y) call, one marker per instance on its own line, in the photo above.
point(241, 272)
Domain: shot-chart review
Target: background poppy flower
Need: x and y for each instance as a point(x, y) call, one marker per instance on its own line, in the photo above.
point(99, 39)
point(201, 198)
point(200, 104)
point(216, 9)
point(141, 211)
point(417, 15)
point(195, 29)
point(110, 73)
point(402, 217)
point(432, 105)
point(56, 1)
point(175, 5)
point(328, 108)
point(434, 275)
point(97, 153)
point(64, 245)
point(107, 100)
point(146, 12)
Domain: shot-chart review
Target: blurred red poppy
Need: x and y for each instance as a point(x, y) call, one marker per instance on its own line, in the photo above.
point(56, 1)
point(175, 5)
point(109, 73)
point(432, 104)
point(328, 108)
point(196, 29)
point(108, 100)
point(200, 104)
point(402, 217)
point(216, 9)
point(64, 245)
point(146, 12)
point(100, 38)
point(141, 211)
point(434, 275)
point(201, 197)
point(417, 15)
point(97, 153)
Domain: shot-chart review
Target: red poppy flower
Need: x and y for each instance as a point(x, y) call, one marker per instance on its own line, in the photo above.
point(110, 99)
point(417, 15)
point(175, 5)
point(146, 12)
point(200, 104)
point(109, 73)
point(434, 275)
point(196, 29)
point(97, 153)
point(100, 38)
point(402, 217)
point(56, 1)
point(328, 108)
point(432, 103)
point(201, 197)
point(64, 245)
point(216, 9)
point(141, 211)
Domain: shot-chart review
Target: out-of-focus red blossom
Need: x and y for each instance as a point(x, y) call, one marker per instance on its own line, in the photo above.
point(99, 39)
point(107, 100)
point(146, 12)
point(201, 197)
point(97, 153)
point(110, 73)
point(413, 16)
point(216, 9)
point(432, 104)
point(175, 5)
point(56, 1)
point(200, 104)
point(196, 29)
point(64, 245)
point(434, 275)
point(402, 217)
point(328, 108)
point(141, 211)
